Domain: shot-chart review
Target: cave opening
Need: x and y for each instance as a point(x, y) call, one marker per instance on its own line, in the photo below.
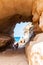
point(18, 30)
point(8, 25)
point(22, 33)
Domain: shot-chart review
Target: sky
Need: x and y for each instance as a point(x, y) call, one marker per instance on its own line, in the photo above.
point(18, 30)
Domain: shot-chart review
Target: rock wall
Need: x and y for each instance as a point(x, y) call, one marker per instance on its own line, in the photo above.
point(11, 11)
point(7, 24)
point(12, 7)
point(37, 10)
point(35, 54)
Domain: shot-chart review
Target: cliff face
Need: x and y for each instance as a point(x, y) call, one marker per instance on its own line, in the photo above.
point(12, 11)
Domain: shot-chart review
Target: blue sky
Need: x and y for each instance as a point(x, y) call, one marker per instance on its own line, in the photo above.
point(18, 30)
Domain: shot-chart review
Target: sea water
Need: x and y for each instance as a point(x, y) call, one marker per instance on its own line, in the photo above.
point(17, 39)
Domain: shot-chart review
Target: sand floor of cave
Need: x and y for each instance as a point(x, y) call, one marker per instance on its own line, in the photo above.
point(11, 57)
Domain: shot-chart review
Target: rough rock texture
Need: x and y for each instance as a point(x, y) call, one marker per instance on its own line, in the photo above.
point(35, 59)
point(41, 22)
point(5, 42)
point(13, 9)
point(7, 24)
point(37, 10)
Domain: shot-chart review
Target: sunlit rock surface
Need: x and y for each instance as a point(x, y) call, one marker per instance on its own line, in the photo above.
point(37, 12)
point(12, 7)
point(37, 54)
point(34, 51)
point(41, 21)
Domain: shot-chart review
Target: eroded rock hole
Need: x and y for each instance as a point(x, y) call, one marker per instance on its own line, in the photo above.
point(22, 33)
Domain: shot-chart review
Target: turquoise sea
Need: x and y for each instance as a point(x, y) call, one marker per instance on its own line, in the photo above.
point(17, 39)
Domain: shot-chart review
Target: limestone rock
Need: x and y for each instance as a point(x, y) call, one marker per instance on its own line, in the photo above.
point(12, 7)
point(41, 21)
point(37, 10)
point(34, 51)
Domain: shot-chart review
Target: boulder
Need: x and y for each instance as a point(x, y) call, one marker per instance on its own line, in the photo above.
point(34, 50)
